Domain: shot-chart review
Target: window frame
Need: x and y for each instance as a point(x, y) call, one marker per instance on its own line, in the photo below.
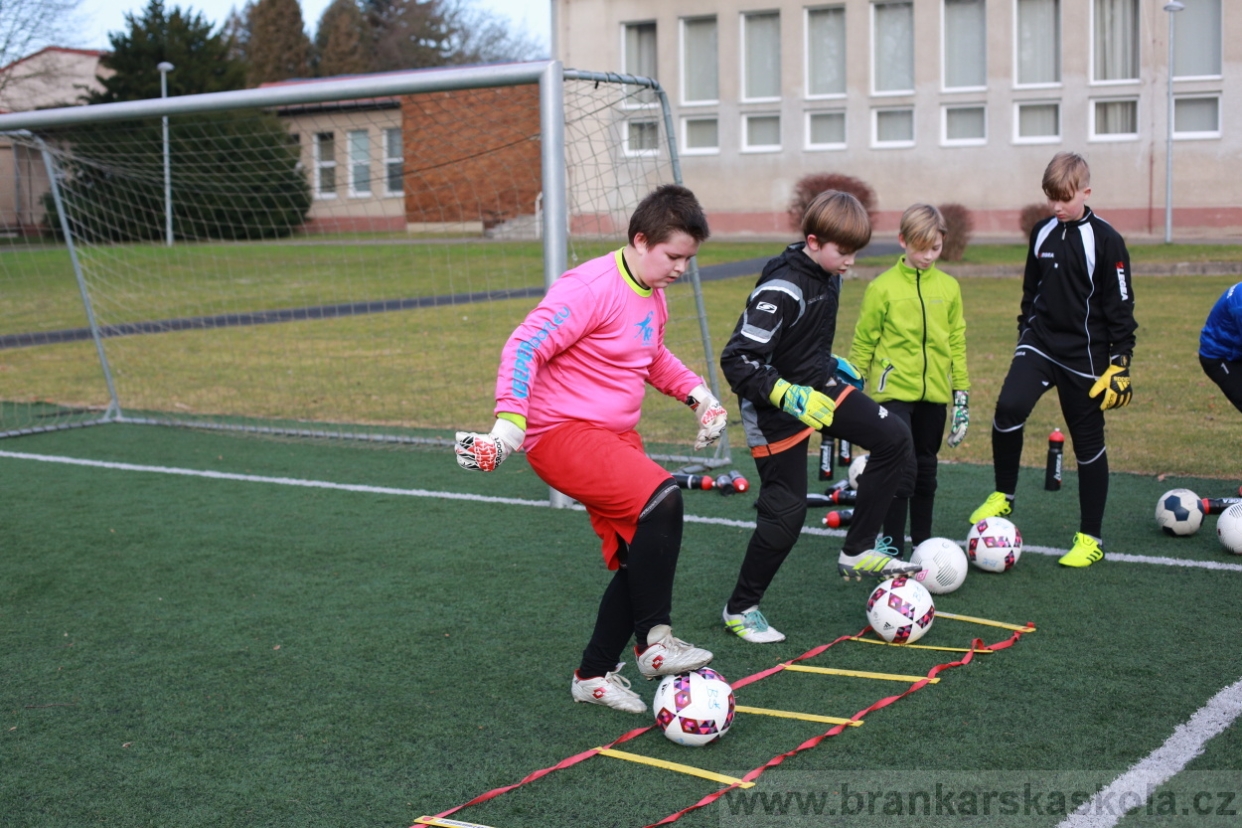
point(630, 152)
point(1113, 137)
point(681, 67)
point(389, 160)
point(351, 185)
point(876, 143)
point(631, 102)
point(1040, 139)
point(321, 165)
point(1197, 136)
point(946, 141)
point(944, 31)
point(1091, 79)
point(759, 149)
point(809, 146)
point(742, 17)
point(806, 53)
point(685, 134)
point(889, 93)
point(1220, 33)
point(1060, 53)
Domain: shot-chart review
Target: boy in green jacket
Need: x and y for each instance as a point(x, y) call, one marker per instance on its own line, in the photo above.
point(910, 344)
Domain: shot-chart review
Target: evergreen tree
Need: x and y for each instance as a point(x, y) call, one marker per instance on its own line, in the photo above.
point(277, 47)
point(414, 34)
point(201, 58)
point(343, 41)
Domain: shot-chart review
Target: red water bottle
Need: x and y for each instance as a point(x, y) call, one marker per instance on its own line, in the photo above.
point(693, 481)
point(731, 482)
point(837, 519)
point(1056, 453)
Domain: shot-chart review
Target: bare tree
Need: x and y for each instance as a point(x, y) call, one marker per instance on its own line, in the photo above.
point(27, 26)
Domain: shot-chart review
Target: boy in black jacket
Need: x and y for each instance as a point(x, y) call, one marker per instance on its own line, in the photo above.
point(1075, 333)
point(779, 361)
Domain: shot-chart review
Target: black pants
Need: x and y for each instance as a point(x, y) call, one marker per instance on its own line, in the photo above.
point(1228, 375)
point(640, 595)
point(1030, 377)
point(926, 423)
point(783, 484)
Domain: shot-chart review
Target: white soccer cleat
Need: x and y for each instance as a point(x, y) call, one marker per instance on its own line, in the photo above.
point(668, 656)
point(750, 625)
point(881, 562)
point(610, 690)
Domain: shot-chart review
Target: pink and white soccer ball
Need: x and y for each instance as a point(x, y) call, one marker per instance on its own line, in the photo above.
point(1229, 529)
point(694, 709)
point(944, 565)
point(994, 545)
point(900, 610)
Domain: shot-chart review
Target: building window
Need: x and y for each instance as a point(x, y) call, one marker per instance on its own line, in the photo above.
point(892, 128)
point(1197, 117)
point(699, 73)
point(965, 44)
point(1197, 40)
point(1037, 123)
point(892, 48)
point(1038, 39)
point(761, 56)
point(394, 170)
point(642, 138)
point(1114, 120)
point(325, 165)
point(825, 52)
point(761, 133)
point(825, 130)
point(964, 126)
point(640, 59)
point(700, 136)
point(359, 163)
point(1115, 40)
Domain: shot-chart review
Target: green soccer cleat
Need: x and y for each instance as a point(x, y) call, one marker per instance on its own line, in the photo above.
point(1085, 551)
point(880, 563)
point(998, 504)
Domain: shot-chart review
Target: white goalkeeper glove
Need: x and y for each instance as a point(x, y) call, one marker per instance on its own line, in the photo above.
point(484, 452)
point(711, 415)
point(961, 418)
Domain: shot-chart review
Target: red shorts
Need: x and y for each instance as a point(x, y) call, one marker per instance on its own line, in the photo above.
point(606, 472)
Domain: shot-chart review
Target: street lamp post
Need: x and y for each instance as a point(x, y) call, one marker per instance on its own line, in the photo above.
point(1171, 7)
point(165, 67)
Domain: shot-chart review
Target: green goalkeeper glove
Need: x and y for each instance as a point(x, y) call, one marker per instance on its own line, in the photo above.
point(805, 403)
point(1114, 384)
point(847, 373)
point(961, 418)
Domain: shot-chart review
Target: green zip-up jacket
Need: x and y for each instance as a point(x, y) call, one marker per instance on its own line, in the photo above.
point(910, 340)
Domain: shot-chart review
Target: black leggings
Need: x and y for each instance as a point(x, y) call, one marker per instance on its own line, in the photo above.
point(1228, 375)
point(926, 421)
point(640, 595)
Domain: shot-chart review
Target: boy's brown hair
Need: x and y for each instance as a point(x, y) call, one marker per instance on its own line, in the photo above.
point(838, 217)
point(1066, 174)
point(667, 210)
point(922, 225)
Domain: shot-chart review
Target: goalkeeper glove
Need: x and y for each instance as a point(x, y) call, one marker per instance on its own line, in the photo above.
point(961, 418)
point(847, 373)
point(808, 405)
point(711, 415)
point(484, 452)
point(1114, 384)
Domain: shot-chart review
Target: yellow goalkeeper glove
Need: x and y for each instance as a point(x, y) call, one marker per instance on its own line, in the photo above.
point(808, 405)
point(1114, 384)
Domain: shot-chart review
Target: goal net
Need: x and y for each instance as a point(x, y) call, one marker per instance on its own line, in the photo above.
point(342, 266)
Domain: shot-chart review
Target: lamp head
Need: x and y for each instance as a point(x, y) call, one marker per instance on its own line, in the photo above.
point(164, 66)
point(1174, 6)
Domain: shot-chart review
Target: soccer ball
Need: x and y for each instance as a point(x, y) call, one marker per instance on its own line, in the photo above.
point(900, 610)
point(694, 709)
point(857, 466)
point(944, 565)
point(1179, 512)
point(1229, 529)
point(994, 544)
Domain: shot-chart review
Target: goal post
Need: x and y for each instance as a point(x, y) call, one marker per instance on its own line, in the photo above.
point(348, 255)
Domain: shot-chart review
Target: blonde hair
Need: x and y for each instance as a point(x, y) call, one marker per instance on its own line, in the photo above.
point(921, 224)
point(1067, 173)
point(838, 217)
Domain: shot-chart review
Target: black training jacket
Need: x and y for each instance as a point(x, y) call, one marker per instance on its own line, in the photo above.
point(786, 332)
point(1077, 297)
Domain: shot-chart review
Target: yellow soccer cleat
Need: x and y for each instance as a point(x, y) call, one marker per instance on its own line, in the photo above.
point(1085, 551)
point(998, 504)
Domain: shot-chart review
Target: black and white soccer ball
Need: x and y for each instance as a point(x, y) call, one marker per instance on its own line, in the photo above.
point(857, 466)
point(1179, 512)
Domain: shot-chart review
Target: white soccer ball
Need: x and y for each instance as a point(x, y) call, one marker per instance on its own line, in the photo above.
point(857, 466)
point(694, 709)
point(994, 544)
point(1229, 529)
point(944, 565)
point(1179, 512)
point(900, 610)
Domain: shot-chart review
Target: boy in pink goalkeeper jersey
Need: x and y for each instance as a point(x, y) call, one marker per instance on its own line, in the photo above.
point(570, 389)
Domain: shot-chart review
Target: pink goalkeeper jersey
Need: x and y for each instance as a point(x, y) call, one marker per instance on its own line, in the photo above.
point(587, 351)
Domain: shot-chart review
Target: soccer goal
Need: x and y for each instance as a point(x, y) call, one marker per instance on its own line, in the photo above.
point(337, 258)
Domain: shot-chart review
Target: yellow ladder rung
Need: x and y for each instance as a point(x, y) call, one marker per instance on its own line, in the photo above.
point(984, 621)
point(448, 823)
point(919, 646)
point(829, 671)
point(673, 766)
point(789, 714)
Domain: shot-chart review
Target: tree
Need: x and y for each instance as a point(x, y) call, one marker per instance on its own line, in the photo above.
point(343, 41)
point(201, 57)
point(27, 26)
point(277, 47)
point(414, 34)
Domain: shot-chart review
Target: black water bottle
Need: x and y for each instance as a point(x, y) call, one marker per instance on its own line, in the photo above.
point(825, 457)
point(844, 457)
point(1056, 452)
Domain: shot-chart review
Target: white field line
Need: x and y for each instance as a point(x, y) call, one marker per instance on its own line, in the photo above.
point(514, 501)
point(1163, 763)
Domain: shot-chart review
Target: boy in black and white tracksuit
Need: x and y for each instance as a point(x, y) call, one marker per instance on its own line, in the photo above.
point(1075, 334)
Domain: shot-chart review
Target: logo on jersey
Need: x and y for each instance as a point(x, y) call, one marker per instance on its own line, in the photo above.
point(766, 307)
point(644, 328)
point(1121, 280)
point(1047, 254)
